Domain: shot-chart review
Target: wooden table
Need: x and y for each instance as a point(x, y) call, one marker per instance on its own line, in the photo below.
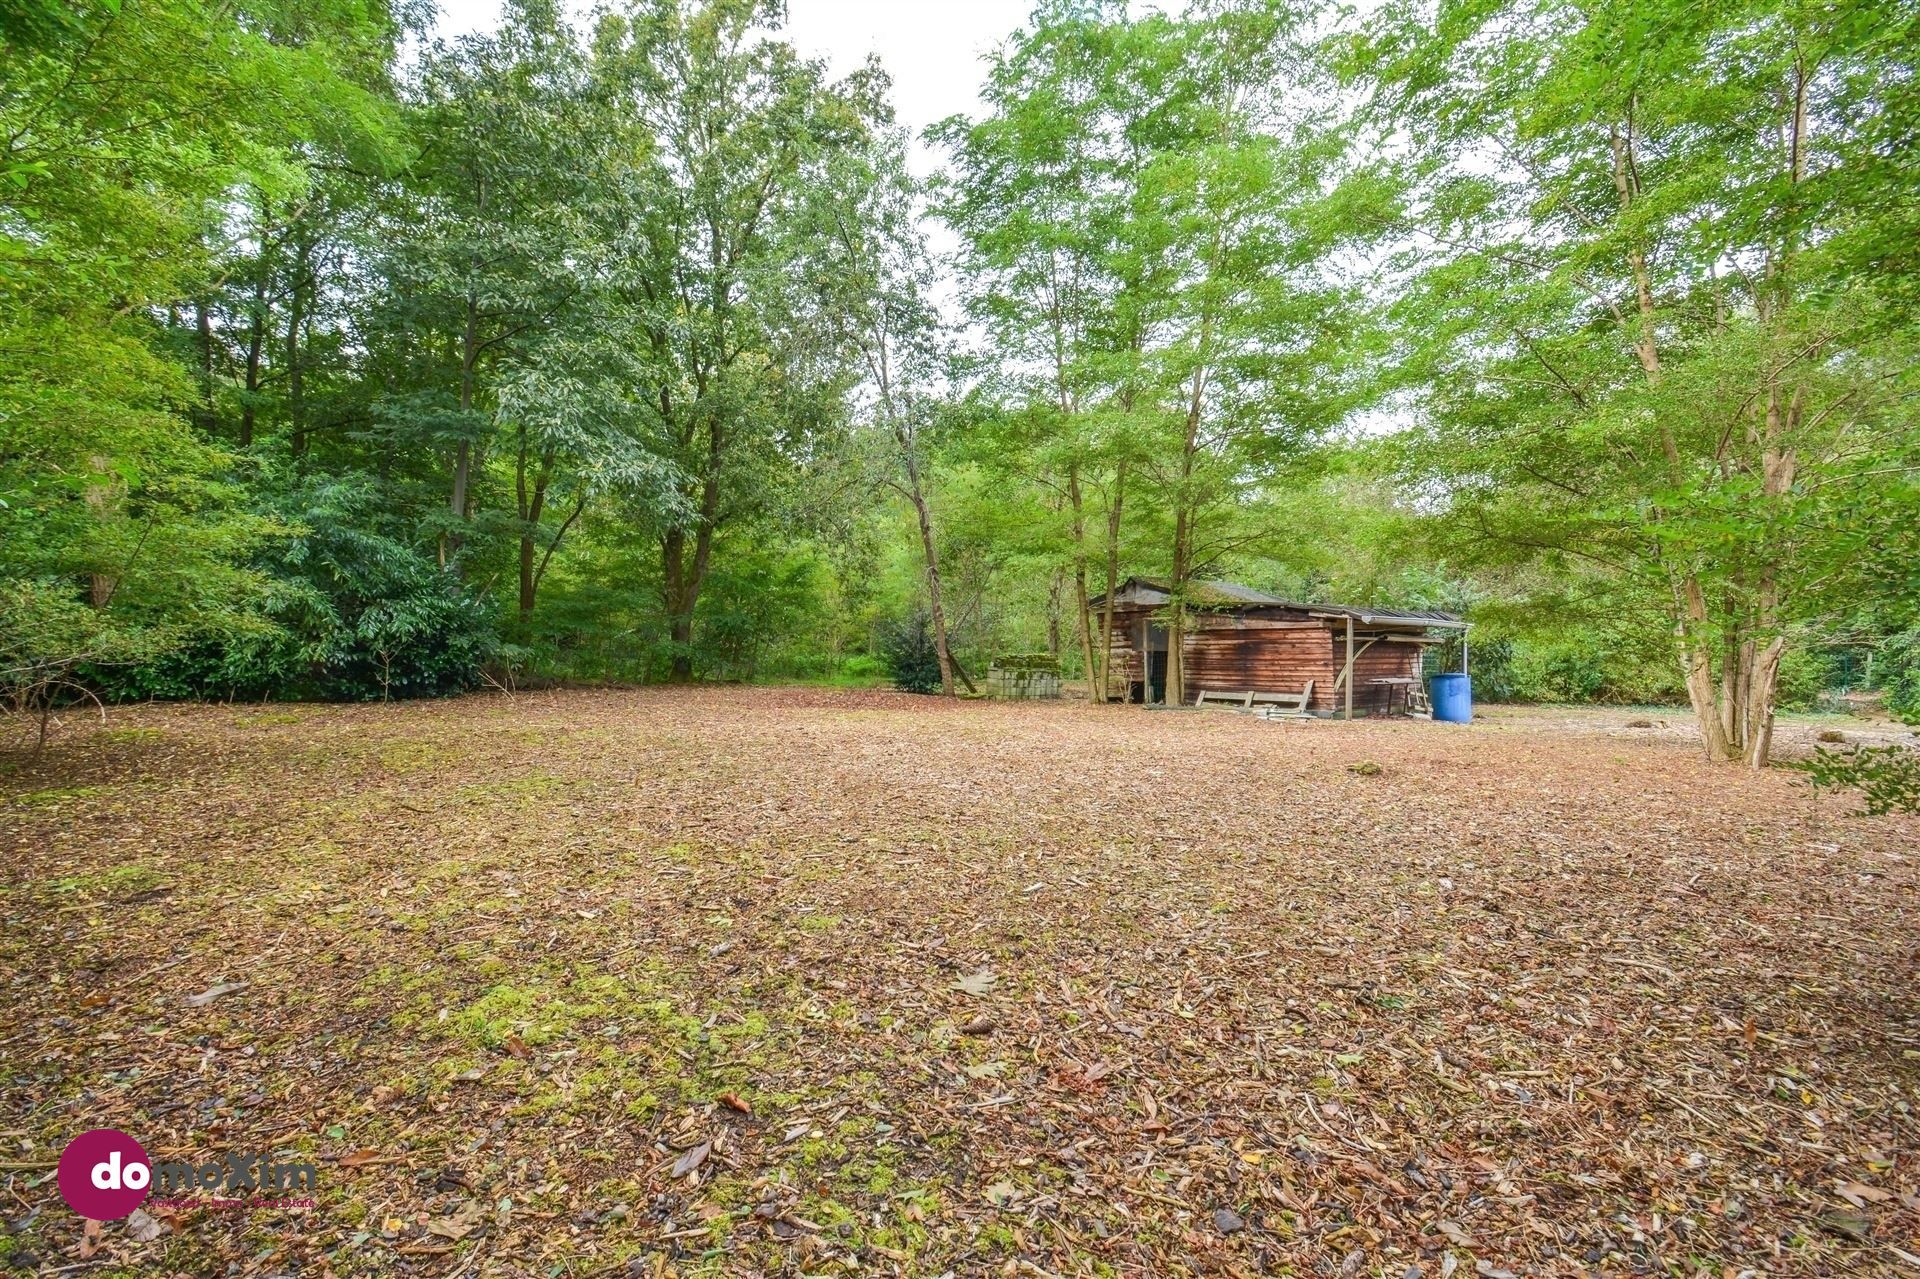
point(1393, 682)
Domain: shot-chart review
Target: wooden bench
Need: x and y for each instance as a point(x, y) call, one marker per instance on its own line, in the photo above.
point(1265, 705)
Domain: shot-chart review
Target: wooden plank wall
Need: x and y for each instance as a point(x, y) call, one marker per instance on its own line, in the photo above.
point(1126, 659)
point(1384, 660)
point(1234, 654)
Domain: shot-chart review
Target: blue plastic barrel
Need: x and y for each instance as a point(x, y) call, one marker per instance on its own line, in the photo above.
point(1453, 698)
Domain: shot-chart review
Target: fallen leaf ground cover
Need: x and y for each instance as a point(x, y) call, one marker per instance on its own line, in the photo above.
point(783, 982)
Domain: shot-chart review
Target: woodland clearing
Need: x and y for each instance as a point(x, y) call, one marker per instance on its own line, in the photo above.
point(795, 981)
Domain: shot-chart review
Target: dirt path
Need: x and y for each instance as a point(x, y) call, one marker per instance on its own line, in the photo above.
point(780, 981)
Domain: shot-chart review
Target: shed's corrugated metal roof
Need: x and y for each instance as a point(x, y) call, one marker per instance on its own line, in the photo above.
point(1390, 616)
point(1144, 591)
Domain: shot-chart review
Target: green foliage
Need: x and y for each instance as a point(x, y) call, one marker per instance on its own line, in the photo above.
point(1645, 364)
point(1900, 673)
point(620, 355)
point(350, 614)
point(1888, 777)
point(905, 644)
point(760, 614)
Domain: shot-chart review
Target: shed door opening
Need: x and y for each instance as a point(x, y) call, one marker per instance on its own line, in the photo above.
point(1154, 647)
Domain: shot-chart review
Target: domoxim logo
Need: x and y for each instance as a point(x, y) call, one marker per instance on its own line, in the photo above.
point(104, 1174)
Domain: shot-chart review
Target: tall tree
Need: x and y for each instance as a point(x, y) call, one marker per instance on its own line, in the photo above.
point(1638, 315)
point(1255, 333)
point(740, 124)
point(875, 283)
point(1032, 190)
point(1144, 218)
point(480, 261)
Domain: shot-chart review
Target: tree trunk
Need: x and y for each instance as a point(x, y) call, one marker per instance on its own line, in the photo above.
point(1056, 581)
point(1696, 664)
point(1778, 467)
point(1176, 690)
point(1082, 611)
point(463, 454)
point(673, 583)
point(1183, 530)
point(298, 295)
point(256, 327)
point(684, 579)
point(1105, 691)
point(203, 337)
point(532, 502)
point(1762, 684)
point(936, 607)
point(1692, 627)
point(256, 343)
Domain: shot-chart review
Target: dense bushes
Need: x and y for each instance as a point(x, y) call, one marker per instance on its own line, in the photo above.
point(351, 613)
point(1900, 673)
point(1576, 665)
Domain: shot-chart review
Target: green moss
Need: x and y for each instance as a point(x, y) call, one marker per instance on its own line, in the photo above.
point(266, 719)
point(995, 1235)
point(816, 1152)
point(116, 881)
point(54, 796)
point(129, 736)
point(524, 790)
point(413, 755)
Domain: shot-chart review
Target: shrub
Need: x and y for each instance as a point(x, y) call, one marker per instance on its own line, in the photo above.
point(862, 668)
point(1887, 776)
point(351, 614)
point(906, 646)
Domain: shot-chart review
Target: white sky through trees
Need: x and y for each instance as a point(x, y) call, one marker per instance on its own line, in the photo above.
point(931, 48)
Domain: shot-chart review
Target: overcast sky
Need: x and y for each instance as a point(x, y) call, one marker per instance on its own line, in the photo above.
point(932, 48)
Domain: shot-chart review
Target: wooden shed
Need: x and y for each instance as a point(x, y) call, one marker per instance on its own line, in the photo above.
point(1240, 640)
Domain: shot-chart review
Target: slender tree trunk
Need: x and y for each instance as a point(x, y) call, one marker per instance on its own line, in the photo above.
point(256, 344)
point(296, 323)
point(1082, 612)
point(1056, 583)
point(463, 454)
point(1696, 659)
point(673, 583)
point(203, 338)
point(1183, 530)
point(1176, 690)
point(1692, 620)
point(1778, 467)
point(1105, 690)
point(532, 500)
point(256, 327)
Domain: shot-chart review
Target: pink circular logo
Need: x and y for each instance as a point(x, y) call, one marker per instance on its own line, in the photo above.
point(104, 1174)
